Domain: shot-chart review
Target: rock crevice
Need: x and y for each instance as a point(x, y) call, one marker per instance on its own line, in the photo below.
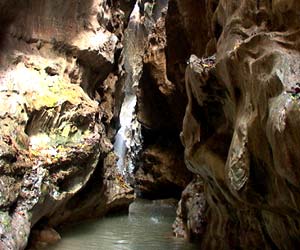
point(222, 76)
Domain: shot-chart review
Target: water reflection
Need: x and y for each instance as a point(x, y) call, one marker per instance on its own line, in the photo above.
point(148, 226)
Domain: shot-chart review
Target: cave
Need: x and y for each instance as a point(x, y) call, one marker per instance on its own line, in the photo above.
point(149, 124)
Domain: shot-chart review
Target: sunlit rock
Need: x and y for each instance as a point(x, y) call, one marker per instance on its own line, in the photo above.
point(54, 58)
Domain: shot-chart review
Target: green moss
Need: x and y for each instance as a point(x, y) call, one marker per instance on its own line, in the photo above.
point(44, 189)
point(53, 93)
point(5, 220)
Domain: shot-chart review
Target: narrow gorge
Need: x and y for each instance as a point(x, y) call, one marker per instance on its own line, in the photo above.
point(141, 107)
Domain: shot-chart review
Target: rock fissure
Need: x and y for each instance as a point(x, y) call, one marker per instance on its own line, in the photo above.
point(171, 98)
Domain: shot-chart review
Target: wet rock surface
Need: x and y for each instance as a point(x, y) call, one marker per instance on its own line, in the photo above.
point(239, 125)
point(161, 171)
point(223, 73)
point(57, 109)
point(43, 236)
point(191, 213)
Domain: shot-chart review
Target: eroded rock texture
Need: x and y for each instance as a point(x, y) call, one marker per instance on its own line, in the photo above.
point(161, 103)
point(57, 86)
point(224, 72)
point(240, 125)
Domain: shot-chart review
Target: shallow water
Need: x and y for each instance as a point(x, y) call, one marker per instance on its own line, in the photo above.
point(148, 226)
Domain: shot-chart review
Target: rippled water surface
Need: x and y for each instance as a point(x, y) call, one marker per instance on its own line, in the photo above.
point(148, 226)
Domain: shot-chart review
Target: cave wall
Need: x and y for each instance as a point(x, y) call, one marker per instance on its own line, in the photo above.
point(218, 101)
point(161, 171)
point(60, 99)
point(239, 129)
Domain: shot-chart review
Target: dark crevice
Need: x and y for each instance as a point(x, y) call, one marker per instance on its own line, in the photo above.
point(218, 29)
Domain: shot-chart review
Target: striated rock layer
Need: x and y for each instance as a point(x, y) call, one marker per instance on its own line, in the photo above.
point(57, 89)
point(224, 72)
point(240, 126)
point(161, 171)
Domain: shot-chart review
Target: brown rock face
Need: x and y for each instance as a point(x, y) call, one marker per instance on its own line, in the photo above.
point(224, 74)
point(57, 91)
point(240, 125)
point(161, 171)
point(191, 218)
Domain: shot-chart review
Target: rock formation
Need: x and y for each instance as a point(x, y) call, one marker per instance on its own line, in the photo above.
point(217, 88)
point(58, 81)
point(239, 129)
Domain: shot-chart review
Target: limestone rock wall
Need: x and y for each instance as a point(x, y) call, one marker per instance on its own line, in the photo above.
point(58, 80)
point(222, 74)
point(240, 125)
point(161, 171)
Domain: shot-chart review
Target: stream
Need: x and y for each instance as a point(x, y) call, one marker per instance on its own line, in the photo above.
point(147, 226)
